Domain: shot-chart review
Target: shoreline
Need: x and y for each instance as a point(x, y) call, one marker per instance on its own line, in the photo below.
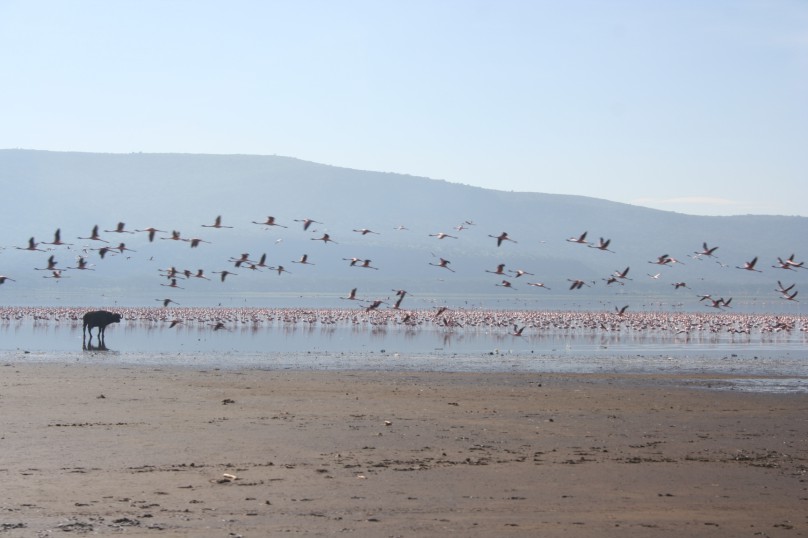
point(162, 451)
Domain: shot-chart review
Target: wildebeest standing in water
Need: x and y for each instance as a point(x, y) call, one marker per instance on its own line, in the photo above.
point(100, 319)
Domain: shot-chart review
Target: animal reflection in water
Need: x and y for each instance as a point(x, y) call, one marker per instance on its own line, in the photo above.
point(100, 319)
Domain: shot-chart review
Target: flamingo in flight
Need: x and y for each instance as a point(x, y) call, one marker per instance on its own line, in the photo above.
point(57, 239)
point(749, 266)
point(443, 263)
point(94, 235)
point(119, 229)
point(32, 245)
point(581, 239)
point(270, 222)
point(152, 231)
point(602, 245)
point(706, 251)
point(442, 235)
point(325, 239)
point(307, 223)
point(502, 237)
point(217, 223)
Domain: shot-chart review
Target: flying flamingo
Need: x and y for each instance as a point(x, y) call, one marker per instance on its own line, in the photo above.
point(602, 245)
point(307, 223)
point(749, 266)
point(325, 239)
point(119, 229)
point(57, 239)
point(3, 278)
point(502, 237)
point(270, 222)
point(217, 223)
point(443, 263)
point(580, 239)
point(538, 285)
point(705, 250)
point(304, 259)
point(94, 235)
point(32, 245)
point(152, 232)
point(441, 235)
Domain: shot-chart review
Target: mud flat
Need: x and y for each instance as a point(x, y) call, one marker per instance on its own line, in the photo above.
point(152, 451)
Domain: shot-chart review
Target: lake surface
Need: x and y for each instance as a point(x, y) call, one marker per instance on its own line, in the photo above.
point(759, 359)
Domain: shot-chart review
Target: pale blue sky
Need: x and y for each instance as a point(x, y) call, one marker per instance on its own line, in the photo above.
point(685, 105)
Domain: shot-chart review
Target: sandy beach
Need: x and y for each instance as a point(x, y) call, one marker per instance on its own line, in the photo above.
point(145, 451)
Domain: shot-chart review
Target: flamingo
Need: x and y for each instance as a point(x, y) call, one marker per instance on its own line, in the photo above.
point(32, 245)
point(167, 302)
point(621, 311)
point(502, 237)
point(119, 229)
point(3, 279)
point(56, 273)
point(791, 297)
point(81, 264)
point(175, 236)
point(520, 272)
point(749, 266)
point(578, 284)
point(51, 265)
point(307, 223)
point(622, 274)
point(500, 270)
point(677, 285)
point(602, 245)
point(351, 296)
point(662, 260)
point(224, 274)
point(325, 239)
point(790, 261)
point(304, 259)
point(506, 284)
point(538, 285)
point(443, 263)
point(365, 265)
point(57, 239)
point(517, 331)
point(580, 239)
point(217, 223)
point(783, 289)
point(173, 284)
point(705, 250)
point(151, 231)
point(365, 231)
point(94, 235)
point(270, 222)
point(196, 241)
point(442, 235)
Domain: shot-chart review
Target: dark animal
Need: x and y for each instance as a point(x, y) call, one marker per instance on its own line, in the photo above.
point(100, 319)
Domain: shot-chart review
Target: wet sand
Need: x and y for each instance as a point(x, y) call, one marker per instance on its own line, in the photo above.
point(146, 451)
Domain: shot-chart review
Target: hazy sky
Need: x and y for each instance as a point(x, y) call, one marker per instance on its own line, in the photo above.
point(685, 105)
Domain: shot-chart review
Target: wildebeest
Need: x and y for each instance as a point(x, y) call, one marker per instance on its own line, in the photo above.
point(100, 319)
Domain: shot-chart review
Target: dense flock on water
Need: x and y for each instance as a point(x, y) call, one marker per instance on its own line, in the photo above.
point(681, 326)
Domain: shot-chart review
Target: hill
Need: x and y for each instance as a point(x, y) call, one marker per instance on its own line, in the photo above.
point(74, 192)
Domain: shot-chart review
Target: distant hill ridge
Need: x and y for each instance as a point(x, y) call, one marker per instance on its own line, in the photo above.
point(46, 190)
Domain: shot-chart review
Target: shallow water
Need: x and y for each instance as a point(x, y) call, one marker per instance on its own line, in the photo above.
point(761, 362)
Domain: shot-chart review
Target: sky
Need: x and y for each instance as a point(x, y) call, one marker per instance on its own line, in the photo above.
point(682, 105)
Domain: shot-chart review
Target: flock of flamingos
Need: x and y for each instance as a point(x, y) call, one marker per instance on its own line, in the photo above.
point(392, 311)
